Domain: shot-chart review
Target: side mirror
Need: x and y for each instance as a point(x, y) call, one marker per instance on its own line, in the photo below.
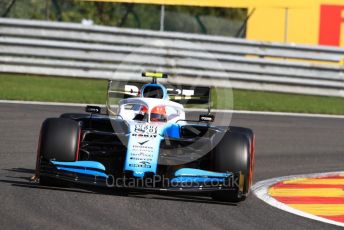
point(206, 118)
point(93, 109)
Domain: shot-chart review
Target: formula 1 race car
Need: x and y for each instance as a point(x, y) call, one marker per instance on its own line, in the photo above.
point(145, 143)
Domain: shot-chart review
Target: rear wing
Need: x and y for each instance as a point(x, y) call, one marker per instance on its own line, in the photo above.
point(189, 94)
point(185, 95)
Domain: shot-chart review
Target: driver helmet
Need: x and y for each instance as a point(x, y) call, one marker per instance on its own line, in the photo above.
point(158, 114)
point(143, 109)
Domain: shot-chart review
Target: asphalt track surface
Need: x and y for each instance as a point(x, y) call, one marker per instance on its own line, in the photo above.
point(285, 146)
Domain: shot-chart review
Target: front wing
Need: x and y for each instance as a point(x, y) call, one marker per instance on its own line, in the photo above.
point(184, 180)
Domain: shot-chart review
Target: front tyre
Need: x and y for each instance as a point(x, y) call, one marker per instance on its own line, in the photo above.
point(232, 154)
point(59, 141)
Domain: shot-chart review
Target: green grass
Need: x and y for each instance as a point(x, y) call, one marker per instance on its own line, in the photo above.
point(280, 102)
point(52, 89)
point(57, 89)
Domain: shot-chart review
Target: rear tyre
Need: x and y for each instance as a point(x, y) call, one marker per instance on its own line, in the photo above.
point(232, 154)
point(59, 141)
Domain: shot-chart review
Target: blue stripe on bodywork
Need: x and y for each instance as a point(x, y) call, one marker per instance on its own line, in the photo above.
point(191, 172)
point(196, 180)
point(83, 164)
point(92, 168)
point(172, 130)
point(83, 171)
